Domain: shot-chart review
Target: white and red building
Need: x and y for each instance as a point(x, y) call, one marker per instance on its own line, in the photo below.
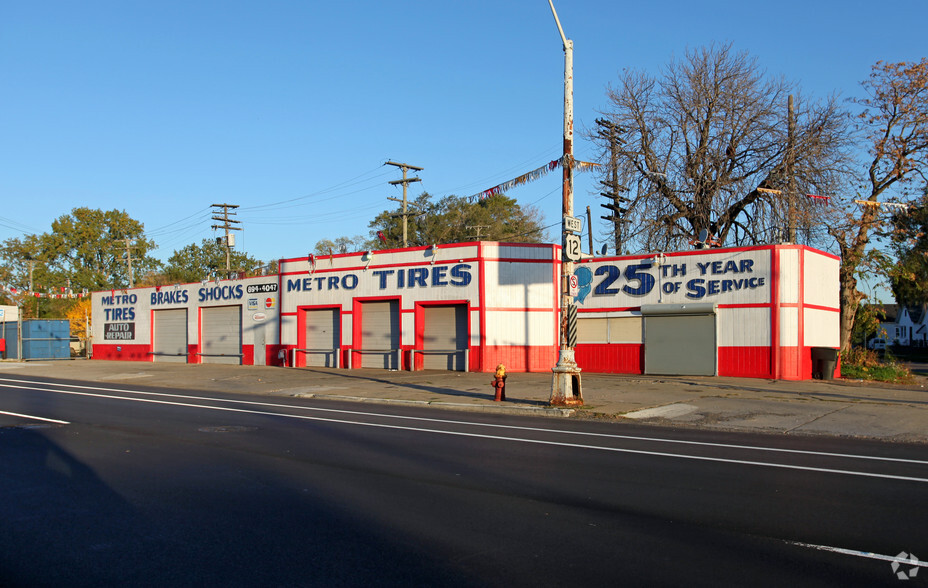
point(753, 312)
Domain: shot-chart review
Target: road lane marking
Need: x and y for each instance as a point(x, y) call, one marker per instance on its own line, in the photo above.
point(35, 418)
point(471, 423)
point(503, 438)
point(867, 554)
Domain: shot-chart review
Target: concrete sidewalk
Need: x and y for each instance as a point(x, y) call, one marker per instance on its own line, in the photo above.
point(837, 408)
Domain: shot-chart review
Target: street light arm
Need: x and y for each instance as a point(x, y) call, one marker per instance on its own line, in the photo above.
point(558, 22)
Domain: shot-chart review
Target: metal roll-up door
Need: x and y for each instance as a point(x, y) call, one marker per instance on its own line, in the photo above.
point(444, 337)
point(169, 343)
point(680, 339)
point(380, 334)
point(221, 335)
point(322, 337)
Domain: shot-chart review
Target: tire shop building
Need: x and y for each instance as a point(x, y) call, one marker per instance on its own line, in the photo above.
point(228, 321)
point(751, 312)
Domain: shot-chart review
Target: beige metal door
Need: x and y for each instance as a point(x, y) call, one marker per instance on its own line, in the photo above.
point(221, 335)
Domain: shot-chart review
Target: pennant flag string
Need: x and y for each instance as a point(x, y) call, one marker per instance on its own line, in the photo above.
point(887, 204)
point(531, 177)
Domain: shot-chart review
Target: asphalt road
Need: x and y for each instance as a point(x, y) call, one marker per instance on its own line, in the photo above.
point(116, 485)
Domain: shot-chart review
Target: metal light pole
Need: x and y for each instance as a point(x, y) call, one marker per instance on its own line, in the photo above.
point(565, 385)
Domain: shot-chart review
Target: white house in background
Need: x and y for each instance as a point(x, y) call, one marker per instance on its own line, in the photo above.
point(905, 330)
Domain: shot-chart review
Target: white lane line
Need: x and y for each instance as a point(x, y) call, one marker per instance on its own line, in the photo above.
point(502, 438)
point(868, 554)
point(472, 424)
point(35, 418)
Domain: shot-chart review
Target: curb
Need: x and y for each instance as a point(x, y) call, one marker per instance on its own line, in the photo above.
point(496, 409)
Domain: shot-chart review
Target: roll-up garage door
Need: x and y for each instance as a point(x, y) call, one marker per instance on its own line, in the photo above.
point(380, 334)
point(679, 339)
point(221, 335)
point(322, 337)
point(444, 337)
point(170, 335)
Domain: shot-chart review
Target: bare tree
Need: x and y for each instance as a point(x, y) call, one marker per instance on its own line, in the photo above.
point(706, 145)
point(895, 120)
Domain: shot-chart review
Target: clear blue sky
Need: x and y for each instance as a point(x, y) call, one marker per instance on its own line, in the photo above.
point(290, 109)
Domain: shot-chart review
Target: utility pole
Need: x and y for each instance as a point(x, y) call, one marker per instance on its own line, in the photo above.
point(405, 181)
point(126, 240)
point(227, 224)
point(478, 229)
point(565, 384)
point(589, 228)
point(612, 188)
point(790, 171)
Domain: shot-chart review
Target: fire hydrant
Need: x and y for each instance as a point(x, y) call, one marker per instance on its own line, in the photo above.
point(499, 382)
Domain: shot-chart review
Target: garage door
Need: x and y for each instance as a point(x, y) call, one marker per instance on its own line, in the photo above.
point(221, 335)
point(321, 338)
point(380, 335)
point(444, 337)
point(170, 335)
point(679, 339)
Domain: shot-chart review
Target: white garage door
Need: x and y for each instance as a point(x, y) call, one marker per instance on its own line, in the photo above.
point(444, 337)
point(322, 336)
point(170, 335)
point(380, 334)
point(221, 335)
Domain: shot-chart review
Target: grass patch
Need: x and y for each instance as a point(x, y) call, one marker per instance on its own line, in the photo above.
point(864, 364)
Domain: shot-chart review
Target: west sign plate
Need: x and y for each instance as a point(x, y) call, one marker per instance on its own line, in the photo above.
point(573, 224)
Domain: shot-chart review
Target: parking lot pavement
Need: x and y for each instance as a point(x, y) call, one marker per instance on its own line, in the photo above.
point(838, 407)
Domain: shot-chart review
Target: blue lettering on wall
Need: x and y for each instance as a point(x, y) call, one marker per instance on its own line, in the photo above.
point(438, 276)
point(415, 277)
point(645, 280)
point(612, 274)
point(169, 297)
point(216, 293)
point(460, 274)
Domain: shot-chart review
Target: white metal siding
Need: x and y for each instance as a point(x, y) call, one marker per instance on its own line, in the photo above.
point(520, 328)
point(822, 328)
point(821, 280)
point(789, 275)
point(744, 327)
point(170, 336)
point(222, 335)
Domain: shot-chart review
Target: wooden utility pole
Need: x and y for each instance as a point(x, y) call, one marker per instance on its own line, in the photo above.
point(612, 188)
point(127, 242)
point(478, 229)
point(405, 181)
point(227, 224)
point(791, 172)
point(589, 228)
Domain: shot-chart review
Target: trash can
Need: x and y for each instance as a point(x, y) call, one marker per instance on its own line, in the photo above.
point(824, 362)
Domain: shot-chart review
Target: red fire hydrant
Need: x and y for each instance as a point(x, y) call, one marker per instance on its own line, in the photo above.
point(499, 382)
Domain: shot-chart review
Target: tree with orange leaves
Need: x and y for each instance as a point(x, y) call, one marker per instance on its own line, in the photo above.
point(895, 120)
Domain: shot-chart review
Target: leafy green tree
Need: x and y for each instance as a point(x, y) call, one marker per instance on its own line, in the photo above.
point(85, 249)
point(195, 262)
point(909, 243)
point(343, 245)
point(453, 219)
point(91, 248)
